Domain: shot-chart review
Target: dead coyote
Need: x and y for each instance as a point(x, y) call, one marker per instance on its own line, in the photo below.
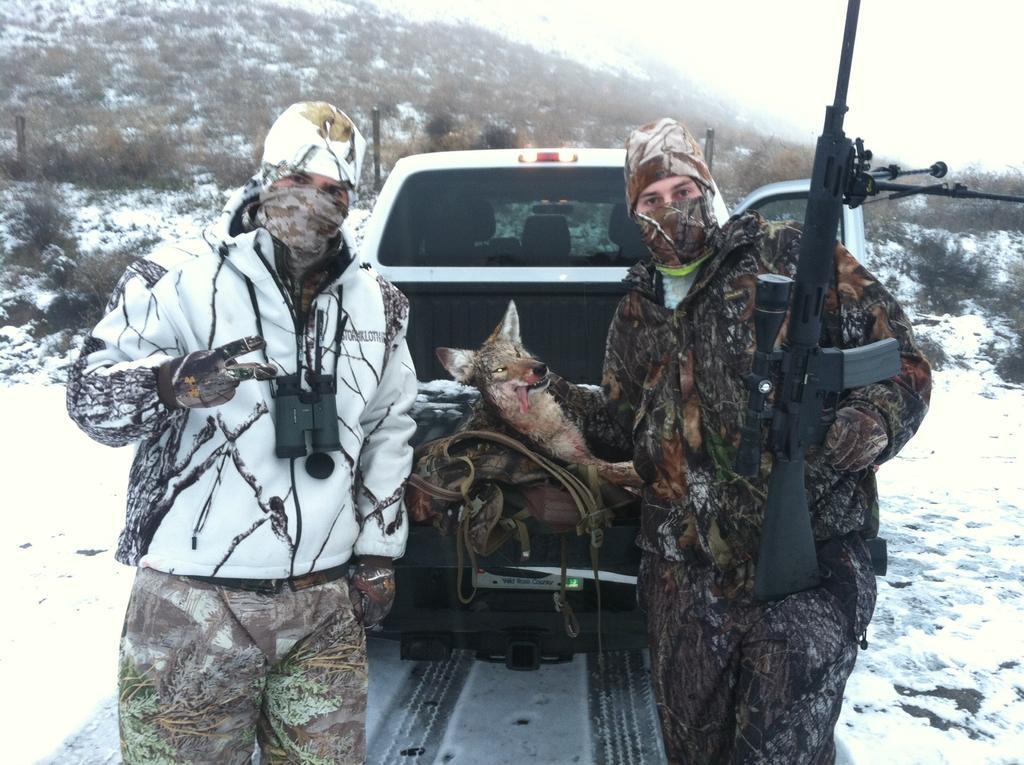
point(520, 393)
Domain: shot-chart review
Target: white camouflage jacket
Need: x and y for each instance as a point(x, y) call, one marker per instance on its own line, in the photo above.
point(207, 495)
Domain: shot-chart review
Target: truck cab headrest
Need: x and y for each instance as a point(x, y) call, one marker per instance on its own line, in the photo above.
point(454, 227)
point(479, 216)
point(546, 240)
point(624, 232)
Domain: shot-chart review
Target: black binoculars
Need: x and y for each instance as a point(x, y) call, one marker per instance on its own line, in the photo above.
point(298, 411)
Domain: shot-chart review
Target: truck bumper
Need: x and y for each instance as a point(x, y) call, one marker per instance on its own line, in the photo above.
point(519, 627)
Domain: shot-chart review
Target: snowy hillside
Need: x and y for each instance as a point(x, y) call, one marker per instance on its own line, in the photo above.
point(159, 92)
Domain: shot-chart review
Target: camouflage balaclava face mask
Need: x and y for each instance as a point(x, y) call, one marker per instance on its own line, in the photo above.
point(304, 218)
point(675, 234)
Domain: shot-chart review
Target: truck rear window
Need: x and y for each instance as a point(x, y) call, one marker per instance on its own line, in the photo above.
point(519, 216)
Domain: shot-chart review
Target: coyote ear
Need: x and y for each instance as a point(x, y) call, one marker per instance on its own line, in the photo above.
point(458, 362)
point(508, 330)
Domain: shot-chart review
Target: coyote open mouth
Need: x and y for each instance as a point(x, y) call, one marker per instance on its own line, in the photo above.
point(523, 392)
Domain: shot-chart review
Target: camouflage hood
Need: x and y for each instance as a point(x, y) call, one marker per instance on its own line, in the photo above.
point(678, 229)
point(313, 137)
point(664, 149)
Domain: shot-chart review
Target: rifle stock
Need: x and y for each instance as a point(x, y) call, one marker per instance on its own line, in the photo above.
point(787, 555)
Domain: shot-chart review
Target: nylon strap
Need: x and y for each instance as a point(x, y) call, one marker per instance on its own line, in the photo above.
point(591, 515)
point(468, 511)
point(572, 624)
point(596, 540)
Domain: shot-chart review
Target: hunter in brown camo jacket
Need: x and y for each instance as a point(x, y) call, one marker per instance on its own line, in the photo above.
point(674, 380)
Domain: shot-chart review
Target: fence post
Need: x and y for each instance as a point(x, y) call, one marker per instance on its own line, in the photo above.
point(22, 162)
point(709, 147)
point(376, 148)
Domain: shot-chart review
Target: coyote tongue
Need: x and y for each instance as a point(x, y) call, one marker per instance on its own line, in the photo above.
point(524, 399)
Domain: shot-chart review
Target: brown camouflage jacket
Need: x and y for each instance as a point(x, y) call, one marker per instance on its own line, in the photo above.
point(674, 380)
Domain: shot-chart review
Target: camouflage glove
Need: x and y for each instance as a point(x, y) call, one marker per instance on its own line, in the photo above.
point(855, 439)
point(209, 378)
point(372, 589)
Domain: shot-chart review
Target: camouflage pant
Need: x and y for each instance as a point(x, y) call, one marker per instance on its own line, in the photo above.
point(206, 671)
point(737, 681)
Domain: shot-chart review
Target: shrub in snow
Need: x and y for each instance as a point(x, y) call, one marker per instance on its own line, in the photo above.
point(948, 274)
point(39, 224)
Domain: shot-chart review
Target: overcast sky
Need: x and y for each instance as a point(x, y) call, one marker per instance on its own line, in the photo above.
point(932, 79)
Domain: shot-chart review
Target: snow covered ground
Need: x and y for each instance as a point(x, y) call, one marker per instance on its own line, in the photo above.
point(942, 681)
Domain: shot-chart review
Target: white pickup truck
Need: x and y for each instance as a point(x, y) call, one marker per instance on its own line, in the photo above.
point(462, 233)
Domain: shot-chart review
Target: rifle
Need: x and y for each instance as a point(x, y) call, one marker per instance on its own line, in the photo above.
point(811, 378)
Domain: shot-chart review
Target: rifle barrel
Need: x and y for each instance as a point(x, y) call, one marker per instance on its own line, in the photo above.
point(846, 57)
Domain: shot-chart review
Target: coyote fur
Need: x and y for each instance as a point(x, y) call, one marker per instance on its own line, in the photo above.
point(520, 396)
